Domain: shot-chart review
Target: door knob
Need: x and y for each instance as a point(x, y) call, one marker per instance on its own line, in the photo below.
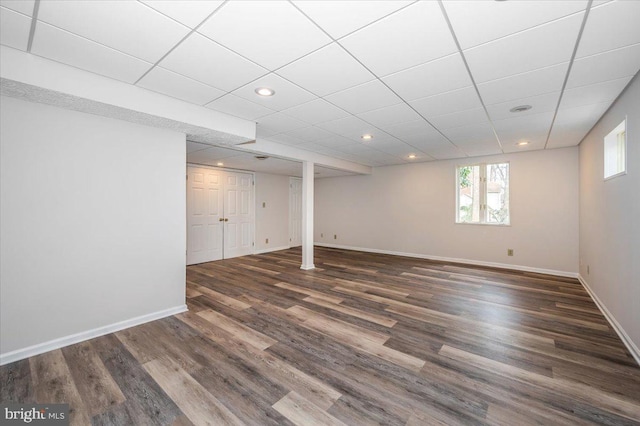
point(221, 220)
point(226, 219)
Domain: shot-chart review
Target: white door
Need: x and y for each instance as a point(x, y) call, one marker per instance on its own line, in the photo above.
point(238, 214)
point(220, 214)
point(295, 212)
point(204, 214)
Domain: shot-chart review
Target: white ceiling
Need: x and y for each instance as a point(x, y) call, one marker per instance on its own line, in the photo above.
point(431, 78)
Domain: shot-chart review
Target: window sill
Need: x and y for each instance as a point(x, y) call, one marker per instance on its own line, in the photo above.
point(505, 225)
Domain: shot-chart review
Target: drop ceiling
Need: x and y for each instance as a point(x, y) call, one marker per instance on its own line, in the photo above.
point(436, 79)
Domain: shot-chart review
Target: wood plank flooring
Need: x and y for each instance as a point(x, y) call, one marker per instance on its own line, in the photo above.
point(363, 339)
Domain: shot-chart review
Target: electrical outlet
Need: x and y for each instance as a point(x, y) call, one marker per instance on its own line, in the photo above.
point(264, 204)
point(335, 236)
point(587, 269)
point(509, 252)
point(266, 241)
point(321, 235)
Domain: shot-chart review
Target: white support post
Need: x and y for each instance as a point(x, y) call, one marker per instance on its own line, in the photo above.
point(307, 215)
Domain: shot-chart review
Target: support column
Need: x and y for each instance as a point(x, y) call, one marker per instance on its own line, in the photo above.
point(307, 215)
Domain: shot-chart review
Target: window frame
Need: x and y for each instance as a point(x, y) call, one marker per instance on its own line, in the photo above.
point(483, 193)
point(604, 151)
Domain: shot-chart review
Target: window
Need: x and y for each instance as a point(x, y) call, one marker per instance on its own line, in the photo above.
point(483, 194)
point(615, 151)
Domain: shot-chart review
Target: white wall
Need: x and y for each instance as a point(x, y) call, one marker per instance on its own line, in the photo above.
point(272, 221)
point(92, 223)
point(610, 215)
point(411, 209)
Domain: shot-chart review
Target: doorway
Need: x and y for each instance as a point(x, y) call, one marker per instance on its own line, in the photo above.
point(220, 214)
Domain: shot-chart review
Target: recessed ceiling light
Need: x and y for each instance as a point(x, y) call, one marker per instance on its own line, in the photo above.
point(265, 91)
point(367, 137)
point(521, 108)
point(523, 143)
point(412, 156)
point(219, 164)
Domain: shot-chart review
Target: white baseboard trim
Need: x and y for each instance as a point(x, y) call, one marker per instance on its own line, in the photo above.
point(457, 260)
point(269, 250)
point(61, 342)
point(631, 346)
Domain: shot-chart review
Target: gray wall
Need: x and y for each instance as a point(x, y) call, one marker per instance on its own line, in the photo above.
point(272, 221)
point(610, 215)
point(92, 222)
point(411, 209)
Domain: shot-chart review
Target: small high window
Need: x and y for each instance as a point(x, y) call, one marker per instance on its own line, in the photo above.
point(483, 193)
point(615, 151)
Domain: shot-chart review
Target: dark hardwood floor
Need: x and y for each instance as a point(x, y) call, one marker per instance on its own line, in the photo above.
point(363, 339)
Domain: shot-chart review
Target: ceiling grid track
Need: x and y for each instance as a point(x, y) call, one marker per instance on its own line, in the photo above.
point(566, 77)
point(180, 42)
point(466, 65)
point(34, 21)
point(381, 81)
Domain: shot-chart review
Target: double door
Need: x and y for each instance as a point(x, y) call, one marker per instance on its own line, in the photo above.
point(220, 214)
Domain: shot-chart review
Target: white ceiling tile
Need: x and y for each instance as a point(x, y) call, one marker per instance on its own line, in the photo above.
point(481, 148)
point(595, 93)
point(23, 6)
point(459, 118)
point(355, 148)
point(208, 62)
point(350, 127)
point(286, 139)
point(326, 71)
point(287, 95)
point(340, 18)
point(542, 46)
point(336, 142)
point(533, 128)
point(271, 33)
point(395, 147)
point(447, 103)
point(572, 124)
point(277, 123)
point(310, 134)
point(606, 66)
point(533, 145)
point(524, 85)
point(582, 114)
point(365, 97)
point(14, 29)
point(195, 146)
point(539, 104)
point(53, 43)
point(610, 26)
point(444, 151)
point(478, 22)
point(425, 140)
point(471, 134)
point(417, 127)
point(441, 75)
point(141, 31)
point(178, 86)
point(412, 36)
point(312, 146)
point(188, 12)
point(239, 107)
point(315, 112)
point(389, 116)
